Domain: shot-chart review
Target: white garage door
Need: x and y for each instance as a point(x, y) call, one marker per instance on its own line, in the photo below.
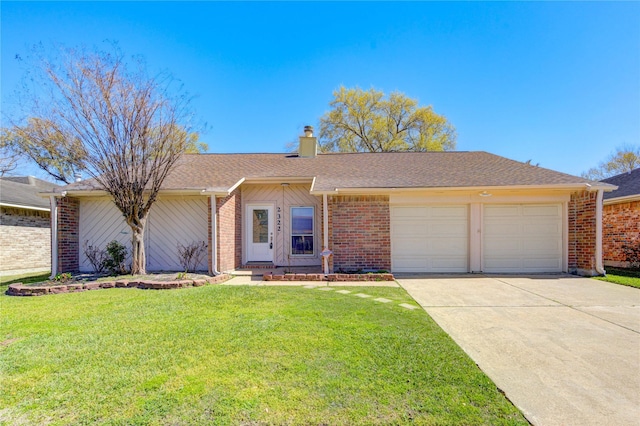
point(522, 238)
point(429, 239)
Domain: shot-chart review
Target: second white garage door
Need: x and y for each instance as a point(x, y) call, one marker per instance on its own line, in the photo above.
point(429, 238)
point(522, 238)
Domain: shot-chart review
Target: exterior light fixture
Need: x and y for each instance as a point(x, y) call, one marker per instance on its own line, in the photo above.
point(484, 194)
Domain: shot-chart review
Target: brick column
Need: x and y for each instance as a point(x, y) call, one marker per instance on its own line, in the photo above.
point(582, 233)
point(229, 230)
point(360, 232)
point(68, 235)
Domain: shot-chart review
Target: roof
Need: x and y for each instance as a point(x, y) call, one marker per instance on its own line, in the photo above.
point(336, 171)
point(628, 185)
point(23, 191)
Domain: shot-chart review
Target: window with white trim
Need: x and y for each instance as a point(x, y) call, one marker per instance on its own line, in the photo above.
point(302, 235)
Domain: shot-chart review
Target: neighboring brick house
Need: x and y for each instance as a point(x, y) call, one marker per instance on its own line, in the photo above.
point(25, 225)
point(405, 212)
point(621, 218)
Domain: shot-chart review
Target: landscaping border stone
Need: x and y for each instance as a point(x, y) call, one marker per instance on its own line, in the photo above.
point(19, 289)
point(328, 277)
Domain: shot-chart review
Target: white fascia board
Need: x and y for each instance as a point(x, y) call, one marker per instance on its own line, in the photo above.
point(19, 206)
point(559, 187)
point(280, 179)
point(617, 200)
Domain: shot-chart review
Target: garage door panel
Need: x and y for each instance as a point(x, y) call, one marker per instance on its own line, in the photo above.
point(459, 212)
point(429, 238)
point(445, 264)
point(522, 238)
point(498, 229)
point(407, 212)
point(550, 247)
point(448, 229)
point(409, 246)
point(505, 211)
point(549, 229)
point(546, 210)
point(410, 229)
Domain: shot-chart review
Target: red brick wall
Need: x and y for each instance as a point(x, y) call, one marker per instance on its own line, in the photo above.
point(582, 233)
point(229, 211)
point(359, 232)
point(68, 235)
point(621, 226)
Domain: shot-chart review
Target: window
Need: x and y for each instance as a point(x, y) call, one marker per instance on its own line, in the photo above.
point(302, 230)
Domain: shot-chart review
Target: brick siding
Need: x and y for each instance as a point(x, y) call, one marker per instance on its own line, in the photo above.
point(359, 232)
point(229, 211)
point(582, 233)
point(68, 235)
point(25, 238)
point(621, 226)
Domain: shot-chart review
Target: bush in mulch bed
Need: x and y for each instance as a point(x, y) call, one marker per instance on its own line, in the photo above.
point(65, 283)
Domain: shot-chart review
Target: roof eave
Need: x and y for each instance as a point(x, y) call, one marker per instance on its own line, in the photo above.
point(554, 187)
point(22, 206)
point(625, 199)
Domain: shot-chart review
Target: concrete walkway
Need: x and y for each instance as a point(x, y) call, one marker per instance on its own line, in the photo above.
point(565, 350)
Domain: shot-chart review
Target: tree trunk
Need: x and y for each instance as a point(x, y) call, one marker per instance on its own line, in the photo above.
point(138, 256)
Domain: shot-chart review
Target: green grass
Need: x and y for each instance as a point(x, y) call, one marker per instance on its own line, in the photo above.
point(227, 355)
point(23, 278)
point(629, 277)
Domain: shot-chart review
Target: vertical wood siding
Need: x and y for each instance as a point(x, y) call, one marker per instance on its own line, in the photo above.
point(171, 221)
point(286, 197)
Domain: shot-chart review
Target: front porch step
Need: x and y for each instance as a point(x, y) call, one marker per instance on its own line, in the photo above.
point(258, 265)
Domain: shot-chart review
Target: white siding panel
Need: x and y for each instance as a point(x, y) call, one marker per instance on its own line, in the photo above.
point(170, 221)
point(100, 223)
point(522, 238)
point(429, 238)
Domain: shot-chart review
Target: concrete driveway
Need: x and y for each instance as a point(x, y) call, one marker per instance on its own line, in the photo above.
point(565, 350)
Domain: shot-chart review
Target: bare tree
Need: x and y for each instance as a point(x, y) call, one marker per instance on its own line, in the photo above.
point(127, 129)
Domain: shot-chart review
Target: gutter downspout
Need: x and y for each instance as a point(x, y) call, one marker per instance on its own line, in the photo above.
point(214, 237)
point(54, 235)
point(325, 230)
point(599, 203)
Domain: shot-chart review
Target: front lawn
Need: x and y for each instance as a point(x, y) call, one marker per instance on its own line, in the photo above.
point(236, 355)
point(629, 277)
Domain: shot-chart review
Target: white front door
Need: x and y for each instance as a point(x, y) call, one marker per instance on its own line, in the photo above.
point(259, 236)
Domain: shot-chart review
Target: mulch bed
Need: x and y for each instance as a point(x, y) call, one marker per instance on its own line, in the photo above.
point(159, 282)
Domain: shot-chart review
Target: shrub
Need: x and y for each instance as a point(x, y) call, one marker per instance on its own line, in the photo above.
point(116, 254)
point(63, 277)
point(191, 255)
point(96, 257)
point(632, 253)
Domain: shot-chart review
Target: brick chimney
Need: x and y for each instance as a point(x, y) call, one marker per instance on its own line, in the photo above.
point(308, 144)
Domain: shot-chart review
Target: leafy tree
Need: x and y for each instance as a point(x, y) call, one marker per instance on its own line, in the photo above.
point(97, 112)
point(624, 159)
point(367, 121)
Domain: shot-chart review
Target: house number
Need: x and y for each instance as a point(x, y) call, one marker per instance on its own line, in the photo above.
point(278, 222)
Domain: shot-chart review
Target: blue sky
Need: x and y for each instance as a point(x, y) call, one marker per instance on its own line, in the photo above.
point(555, 83)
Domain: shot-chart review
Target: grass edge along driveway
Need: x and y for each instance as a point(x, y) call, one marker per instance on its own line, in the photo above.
point(232, 355)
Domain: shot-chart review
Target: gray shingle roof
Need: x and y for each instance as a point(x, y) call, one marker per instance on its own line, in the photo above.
point(23, 191)
point(628, 184)
point(219, 172)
